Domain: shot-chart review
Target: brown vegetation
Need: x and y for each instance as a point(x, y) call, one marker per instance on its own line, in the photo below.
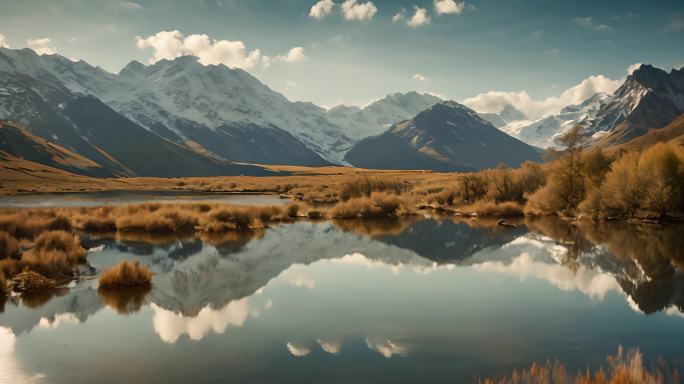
point(623, 368)
point(31, 281)
point(9, 246)
point(126, 274)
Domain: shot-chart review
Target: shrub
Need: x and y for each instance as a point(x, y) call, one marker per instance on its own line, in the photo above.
point(126, 274)
point(9, 246)
point(52, 244)
point(238, 218)
point(378, 205)
point(292, 210)
point(30, 281)
point(3, 286)
point(314, 214)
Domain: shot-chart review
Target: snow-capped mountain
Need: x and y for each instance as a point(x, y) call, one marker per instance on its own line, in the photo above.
point(649, 98)
point(544, 132)
point(379, 115)
point(445, 137)
point(508, 115)
point(181, 97)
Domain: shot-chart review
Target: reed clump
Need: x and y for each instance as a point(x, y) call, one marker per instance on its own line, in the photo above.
point(9, 246)
point(126, 274)
point(622, 368)
point(376, 205)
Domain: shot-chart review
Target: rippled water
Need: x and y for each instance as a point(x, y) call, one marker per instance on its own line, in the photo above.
point(92, 199)
point(391, 301)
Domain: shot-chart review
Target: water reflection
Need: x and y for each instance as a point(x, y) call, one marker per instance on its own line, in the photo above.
point(124, 300)
point(419, 291)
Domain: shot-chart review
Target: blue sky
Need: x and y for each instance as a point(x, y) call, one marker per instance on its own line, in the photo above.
point(541, 47)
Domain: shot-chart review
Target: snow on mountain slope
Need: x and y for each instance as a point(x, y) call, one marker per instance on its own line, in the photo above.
point(375, 118)
point(544, 132)
point(508, 115)
point(170, 92)
point(649, 98)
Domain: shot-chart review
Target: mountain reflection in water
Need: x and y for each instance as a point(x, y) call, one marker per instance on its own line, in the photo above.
point(422, 290)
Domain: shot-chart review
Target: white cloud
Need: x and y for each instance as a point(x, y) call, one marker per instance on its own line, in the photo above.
point(352, 10)
point(387, 348)
point(332, 347)
point(294, 55)
point(588, 23)
point(3, 41)
point(298, 350)
point(41, 46)
point(132, 5)
point(419, 77)
point(172, 44)
point(321, 9)
point(449, 7)
point(420, 17)
point(399, 16)
point(494, 101)
point(633, 68)
point(170, 325)
point(290, 83)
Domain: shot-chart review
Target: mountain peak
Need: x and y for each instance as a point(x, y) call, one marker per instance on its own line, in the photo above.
point(509, 113)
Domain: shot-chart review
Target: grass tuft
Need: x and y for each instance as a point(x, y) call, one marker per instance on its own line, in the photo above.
point(126, 274)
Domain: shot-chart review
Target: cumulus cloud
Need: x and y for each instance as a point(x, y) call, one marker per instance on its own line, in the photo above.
point(399, 16)
point(298, 350)
point(633, 68)
point(172, 44)
point(42, 46)
point(170, 326)
point(449, 7)
point(352, 10)
point(588, 24)
point(332, 347)
point(387, 348)
point(494, 101)
point(419, 77)
point(294, 55)
point(321, 9)
point(3, 41)
point(420, 17)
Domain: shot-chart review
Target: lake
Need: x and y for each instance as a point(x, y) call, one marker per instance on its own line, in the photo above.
point(93, 199)
point(414, 300)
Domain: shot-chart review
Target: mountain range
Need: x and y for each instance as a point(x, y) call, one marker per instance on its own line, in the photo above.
point(445, 137)
point(181, 118)
point(649, 98)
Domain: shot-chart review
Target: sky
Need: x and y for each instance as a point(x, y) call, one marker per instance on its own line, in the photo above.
point(536, 54)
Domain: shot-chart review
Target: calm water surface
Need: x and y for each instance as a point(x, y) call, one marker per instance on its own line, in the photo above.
point(91, 199)
point(393, 301)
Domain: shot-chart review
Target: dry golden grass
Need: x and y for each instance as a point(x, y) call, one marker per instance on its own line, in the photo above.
point(3, 285)
point(378, 204)
point(26, 224)
point(9, 246)
point(31, 281)
point(490, 208)
point(126, 274)
point(55, 247)
point(623, 368)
